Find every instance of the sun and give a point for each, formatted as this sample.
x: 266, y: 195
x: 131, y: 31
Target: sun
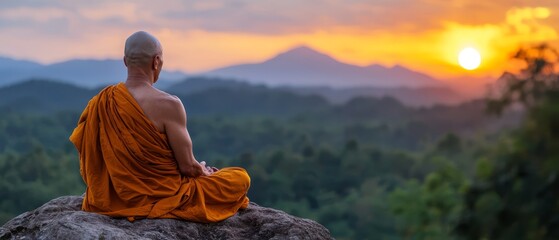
x: 469, y: 58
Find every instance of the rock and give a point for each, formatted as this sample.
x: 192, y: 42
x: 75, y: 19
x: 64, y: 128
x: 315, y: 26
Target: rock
x: 62, y: 218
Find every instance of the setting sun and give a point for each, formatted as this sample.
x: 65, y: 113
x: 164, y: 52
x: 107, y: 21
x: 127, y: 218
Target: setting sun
x: 469, y: 58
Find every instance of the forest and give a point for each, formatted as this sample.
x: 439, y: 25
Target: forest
x: 371, y: 168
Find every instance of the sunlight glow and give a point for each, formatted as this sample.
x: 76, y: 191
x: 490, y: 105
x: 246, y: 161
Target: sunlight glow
x: 469, y: 58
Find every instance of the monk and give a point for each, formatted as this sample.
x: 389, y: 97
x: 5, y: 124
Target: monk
x: 136, y: 156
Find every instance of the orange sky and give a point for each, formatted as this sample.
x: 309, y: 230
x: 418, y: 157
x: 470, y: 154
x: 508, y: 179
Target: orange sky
x: 424, y: 35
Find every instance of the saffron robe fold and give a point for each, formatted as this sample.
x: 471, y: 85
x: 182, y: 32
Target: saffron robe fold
x: 130, y: 171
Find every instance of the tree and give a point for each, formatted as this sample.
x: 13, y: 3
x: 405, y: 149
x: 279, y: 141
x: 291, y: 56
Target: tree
x: 429, y: 210
x: 532, y: 84
x: 516, y: 195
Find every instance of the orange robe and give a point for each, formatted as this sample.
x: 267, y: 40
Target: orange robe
x: 130, y: 171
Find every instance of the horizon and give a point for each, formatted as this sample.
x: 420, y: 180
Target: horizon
x: 201, y: 36
x: 395, y: 65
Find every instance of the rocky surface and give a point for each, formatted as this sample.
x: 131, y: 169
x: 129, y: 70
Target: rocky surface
x: 62, y: 218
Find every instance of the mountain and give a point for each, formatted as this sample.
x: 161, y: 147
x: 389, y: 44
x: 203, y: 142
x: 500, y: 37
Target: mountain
x: 199, y: 84
x: 43, y: 97
x: 82, y: 72
x: 13, y: 64
x: 474, y: 87
x: 88, y: 73
x: 12, y: 69
x: 251, y: 101
x: 420, y: 96
x: 301, y: 70
x: 46, y: 96
x: 304, y: 66
x: 214, y: 96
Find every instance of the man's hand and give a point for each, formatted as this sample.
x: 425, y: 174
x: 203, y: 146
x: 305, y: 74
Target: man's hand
x: 207, y: 169
x: 197, y: 169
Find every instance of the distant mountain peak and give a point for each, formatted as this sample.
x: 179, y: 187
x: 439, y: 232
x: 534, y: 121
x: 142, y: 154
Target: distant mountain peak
x: 17, y: 64
x: 305, y: 66
x: 303, y: 52
x: 376, y: 66
x: 399, y: 67
x: 302, y: 48
x: 396, y: 67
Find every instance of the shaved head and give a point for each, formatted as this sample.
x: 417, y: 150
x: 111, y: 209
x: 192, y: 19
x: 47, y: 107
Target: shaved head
x: 140, y: 48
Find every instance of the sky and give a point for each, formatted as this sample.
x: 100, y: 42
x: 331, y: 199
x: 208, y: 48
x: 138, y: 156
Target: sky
x: 423, y: 35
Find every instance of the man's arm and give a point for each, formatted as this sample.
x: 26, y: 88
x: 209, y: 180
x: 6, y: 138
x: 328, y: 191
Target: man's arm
x: 179, y: 139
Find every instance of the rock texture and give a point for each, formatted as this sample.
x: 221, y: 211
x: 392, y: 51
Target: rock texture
x: 61, y: 218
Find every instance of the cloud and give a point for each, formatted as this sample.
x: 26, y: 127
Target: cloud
x: 524, y: 21
x: 421, y: 34
x: 268, y: 16
x: 33, y: 14
x: 128, y: 12
x: 255, y: 17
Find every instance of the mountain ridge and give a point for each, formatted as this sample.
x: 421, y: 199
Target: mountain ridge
x: 304, y: 66
x: 89, y: 73
x: 299, y: 67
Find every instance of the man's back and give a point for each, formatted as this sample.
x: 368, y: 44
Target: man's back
x: 155, y: 103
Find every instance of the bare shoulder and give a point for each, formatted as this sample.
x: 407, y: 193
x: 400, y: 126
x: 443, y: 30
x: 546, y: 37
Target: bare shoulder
x: 168, y: 102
